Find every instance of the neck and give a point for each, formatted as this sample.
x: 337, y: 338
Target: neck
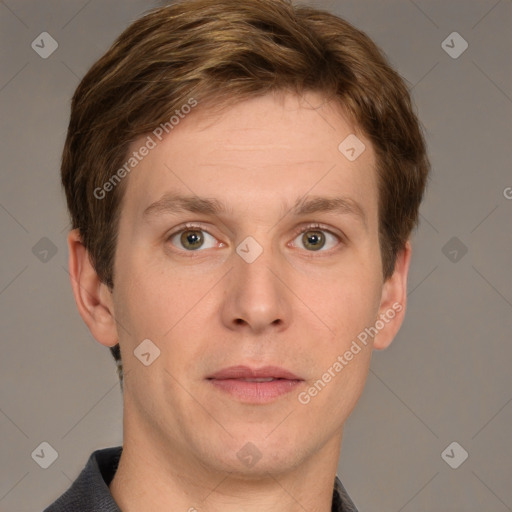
x: 153, y: 476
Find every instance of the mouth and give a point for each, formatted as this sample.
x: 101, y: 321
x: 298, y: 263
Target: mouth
x: 255, y: 385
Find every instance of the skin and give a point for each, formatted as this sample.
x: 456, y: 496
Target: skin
x: 208, y: 309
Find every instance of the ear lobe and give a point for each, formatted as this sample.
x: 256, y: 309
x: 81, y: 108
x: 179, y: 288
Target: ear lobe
x: 393, y: 300
x: 92, y: 297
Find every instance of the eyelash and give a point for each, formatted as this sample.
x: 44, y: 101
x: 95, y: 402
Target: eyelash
x: 299, y: 231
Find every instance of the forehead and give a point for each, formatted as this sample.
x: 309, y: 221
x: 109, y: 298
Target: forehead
x: 266, y: 150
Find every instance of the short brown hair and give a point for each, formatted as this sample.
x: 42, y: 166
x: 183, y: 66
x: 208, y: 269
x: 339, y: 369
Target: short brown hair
x: 222, y: 51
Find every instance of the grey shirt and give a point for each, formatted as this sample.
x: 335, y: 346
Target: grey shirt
x: 90, y: 491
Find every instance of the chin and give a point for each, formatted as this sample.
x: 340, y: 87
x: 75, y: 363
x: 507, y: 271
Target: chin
x: 254, y: 457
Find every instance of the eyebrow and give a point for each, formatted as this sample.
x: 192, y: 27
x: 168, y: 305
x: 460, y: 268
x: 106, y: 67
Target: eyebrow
x: 171, y: 203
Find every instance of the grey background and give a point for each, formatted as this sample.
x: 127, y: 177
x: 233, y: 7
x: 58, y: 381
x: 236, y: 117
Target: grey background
x: 445, y: 378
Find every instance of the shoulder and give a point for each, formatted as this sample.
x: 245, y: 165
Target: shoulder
x: 90, y: 491
x: 341, y: 501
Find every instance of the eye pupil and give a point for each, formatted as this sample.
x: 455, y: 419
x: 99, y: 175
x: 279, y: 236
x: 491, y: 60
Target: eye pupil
x: 192, y: 239
x: 314, y: 239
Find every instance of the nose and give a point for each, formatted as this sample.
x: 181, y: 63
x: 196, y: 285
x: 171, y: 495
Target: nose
x: 256, y: 297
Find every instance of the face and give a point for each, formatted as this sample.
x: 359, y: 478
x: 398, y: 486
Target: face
x: 248, y: 253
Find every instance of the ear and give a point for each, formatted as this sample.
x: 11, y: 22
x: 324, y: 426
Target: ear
x: 393, y: 300
x: 93, y: 298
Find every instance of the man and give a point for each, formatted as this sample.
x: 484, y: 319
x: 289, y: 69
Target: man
x: 243, y: 179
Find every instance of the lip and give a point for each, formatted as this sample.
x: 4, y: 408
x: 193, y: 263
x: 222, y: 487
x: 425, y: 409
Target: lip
x: 233, y: 380
x: 246, y: 372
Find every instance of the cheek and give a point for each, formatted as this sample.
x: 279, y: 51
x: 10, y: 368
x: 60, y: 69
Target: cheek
x: 146, y: 304
x: 163, y: 305
x: 339, y: 362
x: 347, y: 301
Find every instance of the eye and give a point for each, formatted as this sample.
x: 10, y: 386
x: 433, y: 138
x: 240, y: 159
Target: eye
x: 193, y: 238
x: 316, y: 238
